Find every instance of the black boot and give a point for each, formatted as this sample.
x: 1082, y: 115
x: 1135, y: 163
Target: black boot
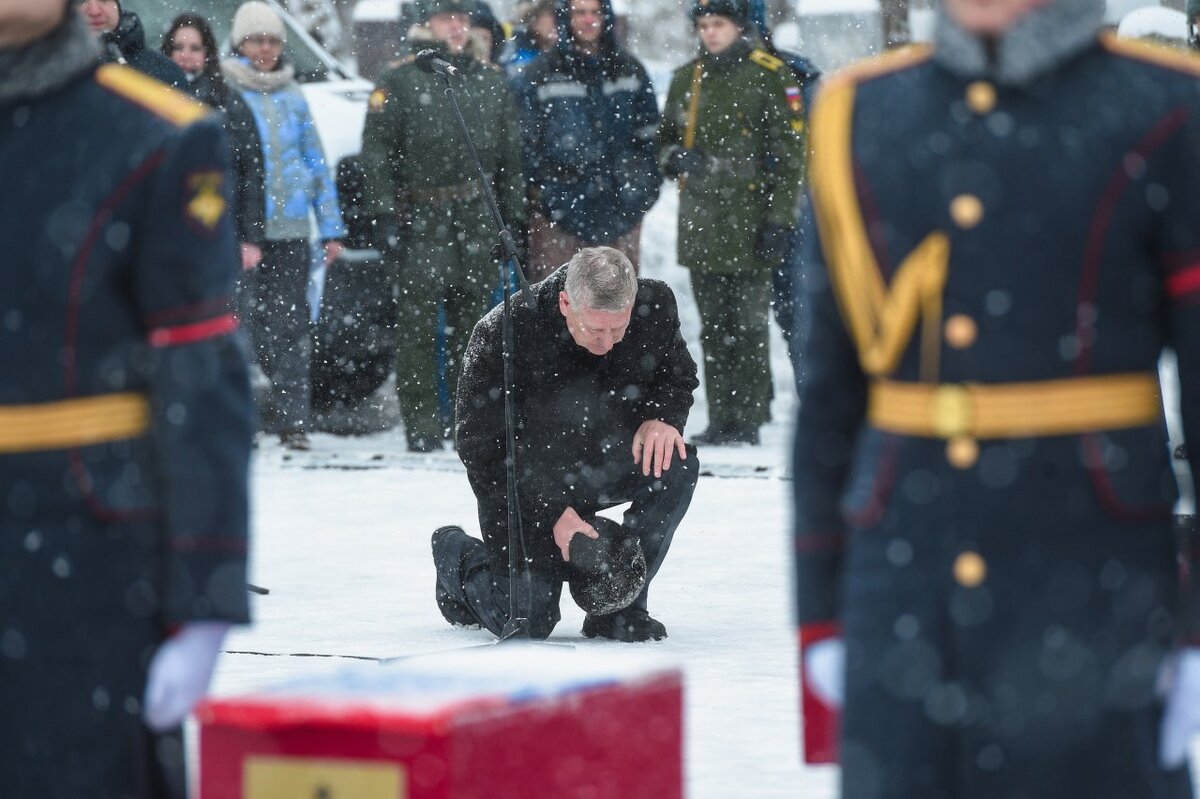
x: 452, y: 549
x: 630, y: 625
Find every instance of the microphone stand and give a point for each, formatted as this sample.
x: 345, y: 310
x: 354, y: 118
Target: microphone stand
x: 517, y: 627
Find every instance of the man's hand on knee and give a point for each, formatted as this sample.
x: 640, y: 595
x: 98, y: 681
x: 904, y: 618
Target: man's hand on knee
x: 655, y: 444
x: 565, y: 529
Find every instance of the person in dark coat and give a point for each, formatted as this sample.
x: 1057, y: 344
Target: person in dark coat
x: 123, y: 41
x: 125, y: 415
x: 190, y: 43
x: 603, y: 385
x: 988, y: 575
x: 589, y: 121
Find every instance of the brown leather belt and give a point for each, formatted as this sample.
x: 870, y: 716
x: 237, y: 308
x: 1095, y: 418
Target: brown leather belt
x: 1011, y: 410
x: 73, y: 422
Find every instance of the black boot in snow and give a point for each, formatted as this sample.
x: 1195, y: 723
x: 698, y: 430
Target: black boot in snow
x: 451, y: 545
x: 630, y: 625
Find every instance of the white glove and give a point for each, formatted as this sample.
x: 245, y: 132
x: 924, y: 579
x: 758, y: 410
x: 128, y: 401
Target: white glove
x: 180, y: 672
x: 1182, y: 718
x: 825, y: 670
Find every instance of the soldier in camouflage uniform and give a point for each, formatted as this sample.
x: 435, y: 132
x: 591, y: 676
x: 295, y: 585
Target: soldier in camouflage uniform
x: 732, y: 134
x: 432, y: 221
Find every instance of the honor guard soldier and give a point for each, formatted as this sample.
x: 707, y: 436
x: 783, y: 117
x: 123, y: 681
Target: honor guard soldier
x: 432, y: 222
x: 1009, y: 237
x: 125, y: 414
x: 733, y: 136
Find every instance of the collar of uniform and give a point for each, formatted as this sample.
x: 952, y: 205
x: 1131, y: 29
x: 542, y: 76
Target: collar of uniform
x: 1036, y: 45
x: 729, y: 57
x: 50, y: 62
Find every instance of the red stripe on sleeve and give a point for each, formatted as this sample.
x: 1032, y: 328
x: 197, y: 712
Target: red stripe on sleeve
x: 1184, y: 281
x: 196, y: 331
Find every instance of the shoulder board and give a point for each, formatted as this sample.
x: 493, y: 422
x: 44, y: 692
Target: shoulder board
x: 766, y: 60
x: 1151, y: 53
x: 158, y: 98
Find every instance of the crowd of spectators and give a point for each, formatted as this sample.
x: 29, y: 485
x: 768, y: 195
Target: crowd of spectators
x: 591, y: 156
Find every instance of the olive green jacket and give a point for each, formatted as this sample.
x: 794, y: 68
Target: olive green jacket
x: 749, y: 124
x: 413, y: 145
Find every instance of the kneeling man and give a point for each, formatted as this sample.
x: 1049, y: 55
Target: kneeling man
x: 603, y: 386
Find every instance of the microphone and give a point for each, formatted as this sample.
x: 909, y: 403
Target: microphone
x: 428, y: 61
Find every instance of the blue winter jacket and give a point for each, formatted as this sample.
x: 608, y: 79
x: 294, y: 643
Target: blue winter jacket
x: 590, y: 125
x: 297, y: 177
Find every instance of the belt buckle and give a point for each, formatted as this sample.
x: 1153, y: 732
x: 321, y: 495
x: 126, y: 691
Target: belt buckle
x: 951, y: 412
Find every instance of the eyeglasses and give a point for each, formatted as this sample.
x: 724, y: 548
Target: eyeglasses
x: 262, y: 41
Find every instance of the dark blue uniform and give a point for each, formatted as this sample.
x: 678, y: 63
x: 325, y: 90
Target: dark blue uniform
x: 983, y: 490
x: 590, y: 124
x: 125, y: 418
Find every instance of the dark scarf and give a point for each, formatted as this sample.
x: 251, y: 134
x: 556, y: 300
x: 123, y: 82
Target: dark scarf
x: 49, y: 63
x: 1037, y: 44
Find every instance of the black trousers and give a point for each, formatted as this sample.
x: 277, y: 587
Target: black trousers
x: 658, y: 506
x: 275, y: 304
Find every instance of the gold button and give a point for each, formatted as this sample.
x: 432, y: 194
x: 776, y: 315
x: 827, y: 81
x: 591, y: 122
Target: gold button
x: 962, y: 452
x: 970, y: 569
x: 961, y: 331
x: 966, y: 210
x: 981, y: 97
x: 951, y: 411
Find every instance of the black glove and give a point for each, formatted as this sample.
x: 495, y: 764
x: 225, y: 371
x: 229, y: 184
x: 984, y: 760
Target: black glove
x: 773, y: 243
x: 684, y: 161
x: 389, y: 238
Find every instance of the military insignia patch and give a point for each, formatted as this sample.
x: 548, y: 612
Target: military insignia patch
x: 795, y: 99
x: 376, y: 100
x: 205, y: 205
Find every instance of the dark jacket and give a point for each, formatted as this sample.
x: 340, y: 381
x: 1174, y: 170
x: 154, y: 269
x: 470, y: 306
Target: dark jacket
x: 589, y: 135
x: 126, y: 44
x: 245, y: 150
x: 1020, y: 569
x: 573, y: 409
x: 119, y: 224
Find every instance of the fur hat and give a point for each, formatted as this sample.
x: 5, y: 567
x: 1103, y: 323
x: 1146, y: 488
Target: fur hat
x: 254, y: 18
x: 736, y: 10
x: 606, y: 574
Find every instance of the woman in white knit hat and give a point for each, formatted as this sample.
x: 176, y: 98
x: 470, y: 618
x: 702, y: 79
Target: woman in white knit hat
x: 297, y: 180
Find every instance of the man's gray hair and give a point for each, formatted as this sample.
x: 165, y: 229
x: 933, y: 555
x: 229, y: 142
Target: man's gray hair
x: 602, y: 279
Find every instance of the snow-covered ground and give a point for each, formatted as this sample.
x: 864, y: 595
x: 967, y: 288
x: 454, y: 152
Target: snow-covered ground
x: 341, y: 539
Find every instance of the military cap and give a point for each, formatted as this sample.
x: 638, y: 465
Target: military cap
x: 736, y: 10
x: 428, y: 8
x: 607, y: 573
